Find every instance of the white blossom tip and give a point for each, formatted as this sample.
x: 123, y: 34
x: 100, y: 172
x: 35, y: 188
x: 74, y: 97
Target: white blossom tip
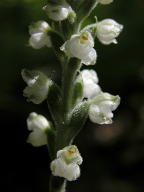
x: 108, y: 30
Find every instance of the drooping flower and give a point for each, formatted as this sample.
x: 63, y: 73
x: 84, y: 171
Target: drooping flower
x: 105, y: 2
x: 67, y: 163
x: 81, y: 47
x: 39, y: 37
x: 101, y: 110
x: 59, y: 12
x: 90, y: 83
x: 39, y: 126
x: 38, y: 86
x: 108, y: 30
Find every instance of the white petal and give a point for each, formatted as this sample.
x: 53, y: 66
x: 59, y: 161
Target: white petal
x: 91, y: 89
x: 81, y: 47
x: 38, y: 40
x: 39, y: 125
x: 39, y: 27
x: 101, y: 111
x: 37, y: 92
x: 70, y: 154
x: 37, y: 121
x: 37, y: 138
x: 89, y: 75
x: 69, y: 171
x: 39, y: 37
x: 96, y: 116
x: 108, y: 30
x: 90, y: 57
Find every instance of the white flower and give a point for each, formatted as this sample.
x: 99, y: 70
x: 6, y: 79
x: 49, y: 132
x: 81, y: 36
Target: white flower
x: 101, y: 111
x: 38, y: 86
x: 39, y: 37
x: 108, y: 30
x: 67, y: 163
x: 81, y: 47
x: 105, y: 2
x: 58, y: 12
x: 38, y: 125
x: 90, y: 83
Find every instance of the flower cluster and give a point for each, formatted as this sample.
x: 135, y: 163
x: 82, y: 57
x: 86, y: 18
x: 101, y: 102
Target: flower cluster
x: 101, y: 104
x: 79, y: 95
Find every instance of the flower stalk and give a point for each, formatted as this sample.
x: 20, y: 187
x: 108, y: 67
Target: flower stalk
x: 78, y: 95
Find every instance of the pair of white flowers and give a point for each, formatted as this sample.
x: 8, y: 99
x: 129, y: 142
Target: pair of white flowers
x: 100, y: 110
x: 68, y: 159
x: 79, y: 45
x: 63, y: 10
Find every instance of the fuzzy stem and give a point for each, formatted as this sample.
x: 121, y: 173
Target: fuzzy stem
x: 69, y: 74
x: 57, y: 184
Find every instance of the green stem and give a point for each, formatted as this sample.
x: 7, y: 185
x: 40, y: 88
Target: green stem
x: 69, y: 74
x: 57, y: 184
x: 85, y: 10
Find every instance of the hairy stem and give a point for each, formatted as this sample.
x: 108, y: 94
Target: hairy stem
x: 69, y: 74
x: 57, y: 184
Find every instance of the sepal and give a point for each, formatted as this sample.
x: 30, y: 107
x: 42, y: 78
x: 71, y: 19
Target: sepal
x: 38, y: 85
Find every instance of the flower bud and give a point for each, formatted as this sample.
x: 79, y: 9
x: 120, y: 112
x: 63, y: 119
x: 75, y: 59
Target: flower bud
x: 105, y: 2
x: 58, y: 12
x: 101, y: 110
x: 39, y: 37
x: 108, y: 30
x: 67, y: 163
x: 81, y: 47
x: 38, y: 125
x: 90, y: 80
x: 38, y: 86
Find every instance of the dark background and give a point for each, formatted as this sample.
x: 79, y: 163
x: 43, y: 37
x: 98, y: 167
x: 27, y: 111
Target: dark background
x: 113, y: 154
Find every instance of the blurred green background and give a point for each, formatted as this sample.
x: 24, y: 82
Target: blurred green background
x: 113, y: 154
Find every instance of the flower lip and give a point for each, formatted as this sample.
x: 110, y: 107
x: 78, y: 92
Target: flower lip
x: 67, y: 163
